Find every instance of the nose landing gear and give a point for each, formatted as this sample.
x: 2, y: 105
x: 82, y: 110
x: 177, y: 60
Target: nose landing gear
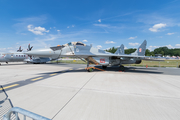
x: 121, y: 67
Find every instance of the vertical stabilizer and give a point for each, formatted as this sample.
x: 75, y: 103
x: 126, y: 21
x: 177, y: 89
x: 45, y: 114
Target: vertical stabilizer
x: 141, y: 50
x: 120, y: 50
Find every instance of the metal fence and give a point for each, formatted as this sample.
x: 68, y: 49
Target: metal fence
x: 5, y: 104
x: 8, y: 112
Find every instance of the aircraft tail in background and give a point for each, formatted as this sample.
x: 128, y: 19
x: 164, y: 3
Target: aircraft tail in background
x: 120, y: 50
x: 141, y: 50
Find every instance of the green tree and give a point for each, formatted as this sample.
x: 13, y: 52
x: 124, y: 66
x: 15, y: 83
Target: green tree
x: 129, y: 51
x: 112, y: 50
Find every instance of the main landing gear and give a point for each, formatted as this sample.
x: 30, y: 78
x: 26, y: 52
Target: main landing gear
x: 104, y: 67
x: 6, y: 62
x: 121, y: 67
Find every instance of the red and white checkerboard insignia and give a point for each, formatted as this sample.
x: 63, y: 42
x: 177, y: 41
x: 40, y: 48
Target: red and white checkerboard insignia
x: 102, y: 60
x: 140, y: 49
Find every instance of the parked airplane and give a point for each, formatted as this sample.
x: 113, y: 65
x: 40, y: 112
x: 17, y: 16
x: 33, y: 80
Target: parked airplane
x: 19, y: 56
x: 93, y: 55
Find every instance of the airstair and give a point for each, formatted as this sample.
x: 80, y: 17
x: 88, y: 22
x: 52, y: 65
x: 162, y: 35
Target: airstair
x: 8, y: 112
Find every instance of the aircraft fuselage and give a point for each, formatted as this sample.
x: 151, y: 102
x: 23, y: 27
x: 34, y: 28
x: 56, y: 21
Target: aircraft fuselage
x: 12, y: 57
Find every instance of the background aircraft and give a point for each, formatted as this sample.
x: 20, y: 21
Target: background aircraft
x: 19, y: 56
x: 93, y: 55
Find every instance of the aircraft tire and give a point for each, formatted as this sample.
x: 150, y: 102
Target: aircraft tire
x: 104, y: 67
x: 122, y: 67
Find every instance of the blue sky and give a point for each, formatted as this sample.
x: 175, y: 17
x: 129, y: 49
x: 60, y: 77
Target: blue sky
x: 102, y: 23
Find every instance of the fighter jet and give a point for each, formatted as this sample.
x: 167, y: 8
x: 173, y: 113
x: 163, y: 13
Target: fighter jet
x: 93, y: 55
x: 19, y: 56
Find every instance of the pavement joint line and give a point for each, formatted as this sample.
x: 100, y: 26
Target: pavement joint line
x: 135, y: 94
x: 37, y: 78
x: 9, y: 86
x: 72, y: 97
x: 169, y: 83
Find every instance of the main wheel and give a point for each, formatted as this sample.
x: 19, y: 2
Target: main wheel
x: 90, y: 70
x: 104, y: 67
x: 122, y: 67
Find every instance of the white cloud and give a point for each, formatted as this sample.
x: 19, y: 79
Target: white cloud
x: 133, y: 44
x: 23, y: 34
x: 101, y: 25
x: 157, y: 26
x: 107, y: 48
x: 105, y: 25
x: 169, y: 33
x: 85, y: 41
x: 125, y: 47
x: 169, y: 46
x: 160, y: 37
x: 37, y: 30
x: 133, y: 37
x: 99, y: 46
x: 9, y: 48
x: 109, y: 42
x: 151, y: 48
x: 72, y: 25
x: 67, y: 26
x: 99, y: 20
x: 58, y: 30
x: 177, y: 45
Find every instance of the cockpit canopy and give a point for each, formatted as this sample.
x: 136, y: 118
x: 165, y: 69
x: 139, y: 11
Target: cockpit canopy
x: 59, y: 47
x: 75, y: 43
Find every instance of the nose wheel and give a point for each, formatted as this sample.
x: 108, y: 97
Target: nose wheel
x: 121, y: 67
x: 89, y: 69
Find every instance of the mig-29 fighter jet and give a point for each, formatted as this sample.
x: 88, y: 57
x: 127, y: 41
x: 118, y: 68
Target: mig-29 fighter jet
x: 93, y: 55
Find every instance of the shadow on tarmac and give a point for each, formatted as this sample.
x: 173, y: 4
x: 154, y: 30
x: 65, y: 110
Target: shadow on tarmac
x: 113, y: 69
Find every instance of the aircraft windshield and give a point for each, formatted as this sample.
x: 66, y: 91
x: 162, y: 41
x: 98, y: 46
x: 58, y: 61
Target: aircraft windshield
x: 75, y: 43
x: 70, y: 44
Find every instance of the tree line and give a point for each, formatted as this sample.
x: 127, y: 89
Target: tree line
x: 161, y: 50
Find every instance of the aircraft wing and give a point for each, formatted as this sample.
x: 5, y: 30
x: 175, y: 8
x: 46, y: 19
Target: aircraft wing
x: 147, y: 58
x: 105, y: 55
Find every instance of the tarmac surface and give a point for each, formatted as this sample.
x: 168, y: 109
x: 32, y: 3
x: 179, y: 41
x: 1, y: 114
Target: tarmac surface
x: 69, y: 92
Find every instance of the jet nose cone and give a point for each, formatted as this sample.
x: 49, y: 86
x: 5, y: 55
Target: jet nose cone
x: 40, y: 53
